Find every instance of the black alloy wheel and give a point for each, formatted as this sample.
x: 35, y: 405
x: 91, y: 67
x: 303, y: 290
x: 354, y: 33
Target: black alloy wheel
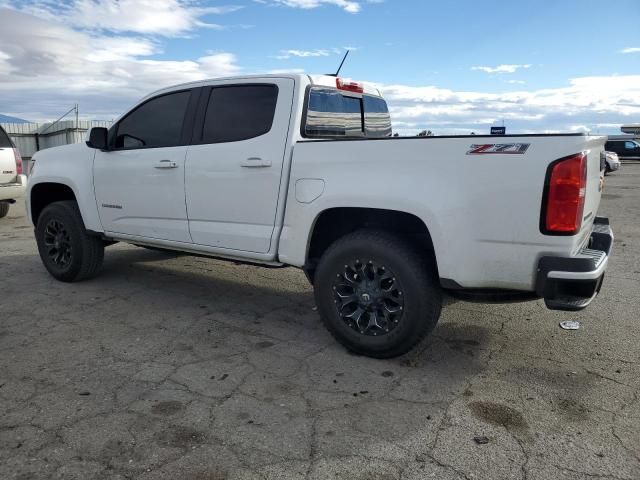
x: 368, y: 297
x: 58, y: 243
x: 67, y: 250
x: 377, y: 292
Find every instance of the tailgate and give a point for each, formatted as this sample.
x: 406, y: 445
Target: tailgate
x: 7, y: 165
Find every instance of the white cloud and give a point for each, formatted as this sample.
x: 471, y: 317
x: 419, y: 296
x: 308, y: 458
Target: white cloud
x: 501, y: 68
x: 287, y: 54
x: 45, y: 66
x: 630, y: 50
x: 347, y: 5
x: 165, y: 18
x: 277, y: 71
x: 516, y: 82
x: 118, y: 48
x: 587, y: 101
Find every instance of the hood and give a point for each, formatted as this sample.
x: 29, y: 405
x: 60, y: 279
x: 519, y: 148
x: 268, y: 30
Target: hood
x: 72, y: 150
x: 63, y: 163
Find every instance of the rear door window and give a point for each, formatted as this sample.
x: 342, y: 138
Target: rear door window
x: 239, y: 112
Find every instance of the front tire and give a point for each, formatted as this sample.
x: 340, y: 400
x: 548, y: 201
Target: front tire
x: 67, y: 251
x: 4, y: 209
x: 377, y: 294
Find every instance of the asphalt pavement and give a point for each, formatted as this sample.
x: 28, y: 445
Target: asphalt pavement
x: 176, y: 367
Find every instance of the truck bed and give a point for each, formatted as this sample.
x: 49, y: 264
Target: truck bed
x: 482, y: 209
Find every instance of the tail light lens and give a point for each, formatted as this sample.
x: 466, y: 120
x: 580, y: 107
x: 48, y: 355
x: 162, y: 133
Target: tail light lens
x: 564, y: 196
x: 18, y: 157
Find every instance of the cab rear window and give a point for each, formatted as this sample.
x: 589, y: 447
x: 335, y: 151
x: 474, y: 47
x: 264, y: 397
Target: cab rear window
x: 377, y: 121
x: 330, y: 113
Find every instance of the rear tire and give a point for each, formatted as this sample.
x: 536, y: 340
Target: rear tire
x: 4, y: 209
x: 377, y: 294
x: 67, y: 251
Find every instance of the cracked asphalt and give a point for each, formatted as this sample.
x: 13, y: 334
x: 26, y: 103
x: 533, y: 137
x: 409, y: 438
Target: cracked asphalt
x: 175, y: 367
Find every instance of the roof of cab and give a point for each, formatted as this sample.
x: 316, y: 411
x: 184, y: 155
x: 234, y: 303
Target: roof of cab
x: 322, y: 80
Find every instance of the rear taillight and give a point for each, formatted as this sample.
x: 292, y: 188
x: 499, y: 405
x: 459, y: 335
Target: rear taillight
x: 563, y: 200
x: 18, y: 157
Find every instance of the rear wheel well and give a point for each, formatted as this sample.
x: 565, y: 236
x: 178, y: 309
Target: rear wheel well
x: 44, y: 194
x: 335, y: 223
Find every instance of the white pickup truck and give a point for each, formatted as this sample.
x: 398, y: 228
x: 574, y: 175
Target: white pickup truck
x: 286, y: 170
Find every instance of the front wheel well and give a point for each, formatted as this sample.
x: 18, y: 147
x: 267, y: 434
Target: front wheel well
x: 44, y: 194
x: 335, y: 223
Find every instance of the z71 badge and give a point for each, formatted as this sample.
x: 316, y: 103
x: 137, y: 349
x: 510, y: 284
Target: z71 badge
x: 497, y: 148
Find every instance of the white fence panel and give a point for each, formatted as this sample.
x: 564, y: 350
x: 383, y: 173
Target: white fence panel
x: 31, y: 137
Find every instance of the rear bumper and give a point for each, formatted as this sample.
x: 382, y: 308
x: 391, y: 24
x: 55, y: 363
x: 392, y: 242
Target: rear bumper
x: 13, y: 191
x: 571, y: 283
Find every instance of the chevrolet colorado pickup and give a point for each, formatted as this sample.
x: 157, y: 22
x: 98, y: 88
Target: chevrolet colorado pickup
x: 12, y: 182
x: 289, y: 170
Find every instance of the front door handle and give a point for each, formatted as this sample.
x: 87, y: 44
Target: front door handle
x: 166, y: 164
x: 255, y: 162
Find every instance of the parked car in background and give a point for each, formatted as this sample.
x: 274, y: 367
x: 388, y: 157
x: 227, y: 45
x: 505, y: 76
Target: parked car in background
x: 611, y: 162
x: 627, y: 149
x: 286, y: 170
x: 12, y: 182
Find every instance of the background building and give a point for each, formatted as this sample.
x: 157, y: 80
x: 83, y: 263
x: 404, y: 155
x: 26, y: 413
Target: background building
x: 32, y: 137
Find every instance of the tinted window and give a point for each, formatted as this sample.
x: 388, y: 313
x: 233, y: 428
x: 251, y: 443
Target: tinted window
x: 156, y: 123
x: 377, y: 120
x: 614, y: 146
x: 239, y: 113
x: 630, y: 145
x: 5, y: 141
x: 329, y: 113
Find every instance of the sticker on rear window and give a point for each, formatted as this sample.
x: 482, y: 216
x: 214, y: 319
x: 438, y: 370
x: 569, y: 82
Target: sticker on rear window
x: 497, y: 148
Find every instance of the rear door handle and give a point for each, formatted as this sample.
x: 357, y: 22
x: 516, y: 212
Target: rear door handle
x: 166, y: 164
x: 255, y: 162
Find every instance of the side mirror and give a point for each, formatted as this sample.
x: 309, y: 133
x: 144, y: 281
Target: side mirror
x: 98, y: 138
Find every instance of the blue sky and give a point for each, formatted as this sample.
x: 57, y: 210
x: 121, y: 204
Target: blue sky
x: 417, y: 41
x: 450, y: 66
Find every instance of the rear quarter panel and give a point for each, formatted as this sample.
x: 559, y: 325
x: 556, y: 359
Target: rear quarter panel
x: 483, y: 211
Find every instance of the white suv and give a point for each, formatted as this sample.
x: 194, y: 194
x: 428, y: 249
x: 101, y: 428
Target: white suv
x: 12, y: 182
